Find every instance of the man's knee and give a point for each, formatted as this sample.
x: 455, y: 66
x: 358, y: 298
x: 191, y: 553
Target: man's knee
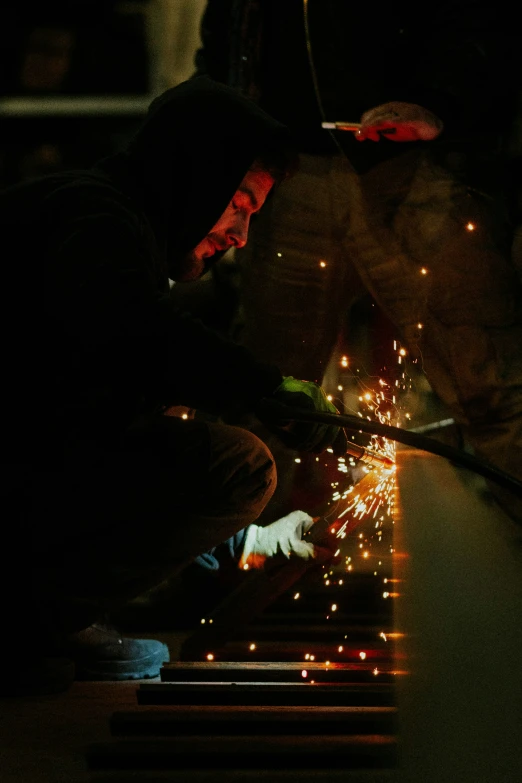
x: 243, y: 468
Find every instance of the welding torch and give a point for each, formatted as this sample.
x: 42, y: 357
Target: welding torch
x: 368, y: 456
x: 282, y: 414
x: 344, y: 126
x: 397, y: 120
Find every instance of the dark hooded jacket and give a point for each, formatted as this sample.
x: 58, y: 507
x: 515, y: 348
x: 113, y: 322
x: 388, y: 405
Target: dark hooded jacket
x: 91, y: 337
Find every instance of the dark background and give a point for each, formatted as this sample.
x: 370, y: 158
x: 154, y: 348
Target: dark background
x: 52, y: 51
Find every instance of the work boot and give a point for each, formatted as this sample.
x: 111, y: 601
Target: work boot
x: 100, y: 653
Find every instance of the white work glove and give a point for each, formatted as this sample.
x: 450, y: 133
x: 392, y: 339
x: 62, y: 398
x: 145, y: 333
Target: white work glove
x: 283, y: 537
x: 399, y: 121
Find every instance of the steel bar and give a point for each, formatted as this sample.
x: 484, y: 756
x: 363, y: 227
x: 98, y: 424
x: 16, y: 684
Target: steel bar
x: 287, y: 651
x: 254, y: 721
x: 286, y: 752
x: 247, y: 671
x: 460, y: 559
x: 325, y: 775
x: 268, y: 694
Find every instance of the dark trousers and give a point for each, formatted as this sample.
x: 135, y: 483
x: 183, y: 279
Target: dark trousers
x: 115, y: 522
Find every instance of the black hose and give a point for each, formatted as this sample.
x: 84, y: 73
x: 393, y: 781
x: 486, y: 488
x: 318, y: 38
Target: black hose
x: 279, y: 412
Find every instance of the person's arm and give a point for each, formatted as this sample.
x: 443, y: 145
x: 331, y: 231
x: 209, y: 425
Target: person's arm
x: 253, y: 546
x: 104, y: 289
x: 107, y: 290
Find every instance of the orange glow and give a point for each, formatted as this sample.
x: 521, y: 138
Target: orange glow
x: 252, y: 561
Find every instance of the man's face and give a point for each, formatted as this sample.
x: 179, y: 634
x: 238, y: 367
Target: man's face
x: 231, y: 230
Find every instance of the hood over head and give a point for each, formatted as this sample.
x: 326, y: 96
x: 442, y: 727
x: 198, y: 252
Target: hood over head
x: 194, y: 147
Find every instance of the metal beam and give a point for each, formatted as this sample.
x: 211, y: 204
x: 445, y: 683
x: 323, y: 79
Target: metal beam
x: 460, y: 607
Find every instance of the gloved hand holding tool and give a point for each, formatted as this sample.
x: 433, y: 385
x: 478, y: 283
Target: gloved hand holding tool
x: 396, y: 120
x: 263, y: 585
x: 302, y: 436
x: 283, y: 537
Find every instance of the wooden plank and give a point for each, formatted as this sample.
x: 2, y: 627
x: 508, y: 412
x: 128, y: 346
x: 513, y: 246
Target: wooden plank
x: 373, y: 693
x: 267, y: 753
x: 254, y: 721
x: 263, y: 672
x: 244, y: 776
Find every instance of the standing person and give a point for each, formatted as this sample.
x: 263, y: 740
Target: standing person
x: 105, y: 495
x: 422, y: 214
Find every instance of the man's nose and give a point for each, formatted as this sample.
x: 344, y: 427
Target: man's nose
x: 239, y: 231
